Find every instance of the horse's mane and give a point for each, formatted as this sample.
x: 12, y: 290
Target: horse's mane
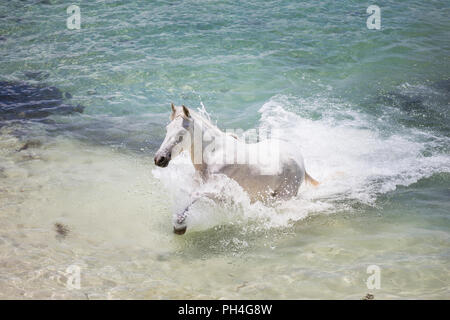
x: 197, y: 116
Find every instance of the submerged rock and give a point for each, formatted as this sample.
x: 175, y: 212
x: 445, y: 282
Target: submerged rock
x: 36, y: 75
x: 407, y: 101
x: 421, y: 105
x: 30, y: 144
x: 61, y: 230
x: 368, y: 296
x: 20, y: 100
x: 442, y: 85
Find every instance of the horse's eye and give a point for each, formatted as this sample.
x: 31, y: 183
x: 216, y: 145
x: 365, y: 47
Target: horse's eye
x: 180, y: 138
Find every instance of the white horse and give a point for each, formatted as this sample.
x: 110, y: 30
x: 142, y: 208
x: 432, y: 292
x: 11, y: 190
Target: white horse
x: 274, y: 173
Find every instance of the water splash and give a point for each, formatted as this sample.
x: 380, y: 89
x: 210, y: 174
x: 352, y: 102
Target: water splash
x: 344, y: 149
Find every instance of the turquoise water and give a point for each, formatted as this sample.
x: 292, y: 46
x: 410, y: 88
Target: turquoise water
x: 369, y: 109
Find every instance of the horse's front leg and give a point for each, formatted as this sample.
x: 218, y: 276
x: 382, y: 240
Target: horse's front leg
x: 180, y: 226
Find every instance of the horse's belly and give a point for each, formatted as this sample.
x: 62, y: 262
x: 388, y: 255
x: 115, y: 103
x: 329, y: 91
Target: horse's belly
x: 264, y: 187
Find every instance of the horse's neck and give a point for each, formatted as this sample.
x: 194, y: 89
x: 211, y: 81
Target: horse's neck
x: 200, y: 168
x: 216, y: 134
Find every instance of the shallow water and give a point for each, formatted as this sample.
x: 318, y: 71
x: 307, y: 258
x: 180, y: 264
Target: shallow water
x: 367, y: 109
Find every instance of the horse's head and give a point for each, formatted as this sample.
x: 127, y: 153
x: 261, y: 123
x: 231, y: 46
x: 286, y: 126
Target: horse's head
x: 177, y: 138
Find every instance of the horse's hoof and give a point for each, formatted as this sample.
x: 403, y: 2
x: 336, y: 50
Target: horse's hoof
x: 179, y: 231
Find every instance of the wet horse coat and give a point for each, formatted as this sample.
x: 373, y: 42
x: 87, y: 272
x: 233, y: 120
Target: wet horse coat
x: 277, y: 174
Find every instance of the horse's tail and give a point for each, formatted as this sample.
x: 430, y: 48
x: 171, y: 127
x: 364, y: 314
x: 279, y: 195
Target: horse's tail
x: 310, y: 180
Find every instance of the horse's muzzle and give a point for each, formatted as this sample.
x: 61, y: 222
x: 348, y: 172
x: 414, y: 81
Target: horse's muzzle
x: 162, y: 161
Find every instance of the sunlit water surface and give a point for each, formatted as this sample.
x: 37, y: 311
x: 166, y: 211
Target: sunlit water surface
x: 367, y: 109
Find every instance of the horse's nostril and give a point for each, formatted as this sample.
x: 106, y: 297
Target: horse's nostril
x: 161, y: 161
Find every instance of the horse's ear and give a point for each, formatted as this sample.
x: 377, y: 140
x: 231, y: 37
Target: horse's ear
x: 186, y: 111
x: 173, y: 112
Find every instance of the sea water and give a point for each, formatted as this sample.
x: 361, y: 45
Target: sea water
x: 367, y: 109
